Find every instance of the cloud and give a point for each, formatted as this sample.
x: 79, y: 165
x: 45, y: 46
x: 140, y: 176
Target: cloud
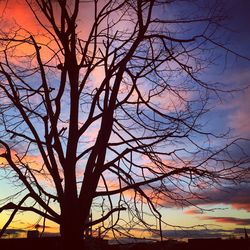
x: 34, y: 163
x: 193, y: 211
x: 236, y: 105
x: 237, y: 198
x: 14, y: 12
x: 15, y: 24
x: 231, y: 220
x: 14, y: 231
x: 3, y: 161
x: 240, y: 119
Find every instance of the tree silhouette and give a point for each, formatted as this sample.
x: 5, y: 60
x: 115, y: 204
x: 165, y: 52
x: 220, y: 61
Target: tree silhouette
x: 102, y: 108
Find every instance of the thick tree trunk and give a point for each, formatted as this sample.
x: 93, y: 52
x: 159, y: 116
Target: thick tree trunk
x: 72, y: 224
x: 71, y: 231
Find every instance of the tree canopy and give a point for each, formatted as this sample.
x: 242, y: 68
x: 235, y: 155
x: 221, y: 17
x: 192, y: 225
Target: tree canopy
x: 101, y: 110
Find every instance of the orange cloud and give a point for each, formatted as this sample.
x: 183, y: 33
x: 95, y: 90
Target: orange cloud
x: 243, y: 206
x: 16, y: 14
x: 33, y: 162
x: 17, y: 11
x: 3, y: 162
x: 193, y: 211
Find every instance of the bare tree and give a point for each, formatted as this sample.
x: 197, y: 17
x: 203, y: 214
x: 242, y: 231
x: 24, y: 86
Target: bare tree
x: 104, y: 106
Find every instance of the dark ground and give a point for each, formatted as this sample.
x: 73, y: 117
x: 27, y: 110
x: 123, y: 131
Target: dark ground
x: 53, y: 243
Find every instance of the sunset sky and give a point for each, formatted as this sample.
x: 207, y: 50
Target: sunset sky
x: 227, y: 210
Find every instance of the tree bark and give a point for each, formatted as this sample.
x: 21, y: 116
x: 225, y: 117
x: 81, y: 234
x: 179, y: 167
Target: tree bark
x: 71, y: 231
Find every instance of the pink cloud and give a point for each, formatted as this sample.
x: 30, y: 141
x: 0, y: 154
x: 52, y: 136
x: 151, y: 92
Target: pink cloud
x: 239, y: 118
x: 230, y: 220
